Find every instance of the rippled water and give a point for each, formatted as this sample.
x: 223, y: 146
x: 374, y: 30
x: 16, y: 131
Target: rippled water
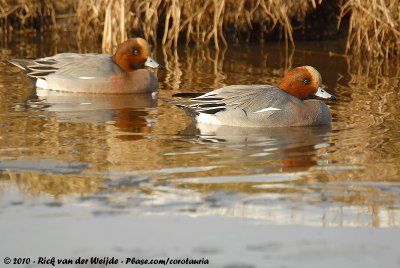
x: 142, y: 156
x: 145, y: 155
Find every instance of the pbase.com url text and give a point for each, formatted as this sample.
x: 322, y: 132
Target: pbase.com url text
x: 53, y: 261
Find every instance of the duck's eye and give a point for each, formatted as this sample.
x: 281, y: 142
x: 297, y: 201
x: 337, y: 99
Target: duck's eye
x: 306, y: 81
x: 136, y: 52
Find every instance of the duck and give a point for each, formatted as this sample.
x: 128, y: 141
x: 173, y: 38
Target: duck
x: 287, y: 105
x: 121, y: 73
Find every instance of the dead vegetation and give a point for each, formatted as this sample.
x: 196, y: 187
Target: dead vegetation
x: 28, y: 13
x: 201, y: 22
x: 374, y: 25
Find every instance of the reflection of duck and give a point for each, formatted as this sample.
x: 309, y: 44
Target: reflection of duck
x: 97, y: 108
x: 123, y: 72
x: 265, y: 105
x: 296, y: 147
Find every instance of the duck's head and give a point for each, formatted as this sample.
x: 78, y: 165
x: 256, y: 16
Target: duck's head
x: 304, y: 82
x: 134, y: 54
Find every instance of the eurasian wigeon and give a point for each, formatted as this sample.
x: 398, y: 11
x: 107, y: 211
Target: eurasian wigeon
x: 265, y: 105
x: 123, y: 72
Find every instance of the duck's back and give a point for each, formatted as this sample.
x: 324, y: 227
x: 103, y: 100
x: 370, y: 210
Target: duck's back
x: 259, y: 105
x: 84, y: 65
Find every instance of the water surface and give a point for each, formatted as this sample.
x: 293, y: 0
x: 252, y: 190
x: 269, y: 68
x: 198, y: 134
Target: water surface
x: 136, y: 155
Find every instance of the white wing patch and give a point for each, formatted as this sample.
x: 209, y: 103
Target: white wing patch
x: 267, y: 110
x: 86, y: 77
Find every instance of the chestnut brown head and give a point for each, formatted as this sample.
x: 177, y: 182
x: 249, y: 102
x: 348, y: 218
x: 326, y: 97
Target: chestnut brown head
x: 304, y: 82
x: 134, y: 54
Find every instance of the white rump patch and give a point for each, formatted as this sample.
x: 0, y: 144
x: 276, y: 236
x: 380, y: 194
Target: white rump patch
x: 86, y: 77
x: 208, y: 119
x: 41, y: 83
x: 267, y: 109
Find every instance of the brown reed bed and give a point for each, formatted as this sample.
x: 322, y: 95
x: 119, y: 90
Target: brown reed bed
x: 374, y: 25
x: 200, y: 22
x: 27, y: 13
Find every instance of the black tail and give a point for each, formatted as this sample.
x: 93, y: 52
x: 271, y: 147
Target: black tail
x: 187, y: 95
x: 180, y: 105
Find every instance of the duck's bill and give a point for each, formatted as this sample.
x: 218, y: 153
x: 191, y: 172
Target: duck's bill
x: 152, y: 63
x: 322, y: 93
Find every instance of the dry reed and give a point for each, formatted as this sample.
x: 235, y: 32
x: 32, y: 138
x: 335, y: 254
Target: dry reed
x: 374, y: 25
x: 200, y: 22
x: 25, y: 11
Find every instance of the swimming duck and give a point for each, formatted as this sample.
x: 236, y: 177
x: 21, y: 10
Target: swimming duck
x: 285, y: 105
x: 123, y: 72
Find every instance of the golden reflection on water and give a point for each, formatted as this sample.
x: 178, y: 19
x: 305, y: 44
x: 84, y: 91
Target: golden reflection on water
x: 54, y: 184
x: 344, y: 168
